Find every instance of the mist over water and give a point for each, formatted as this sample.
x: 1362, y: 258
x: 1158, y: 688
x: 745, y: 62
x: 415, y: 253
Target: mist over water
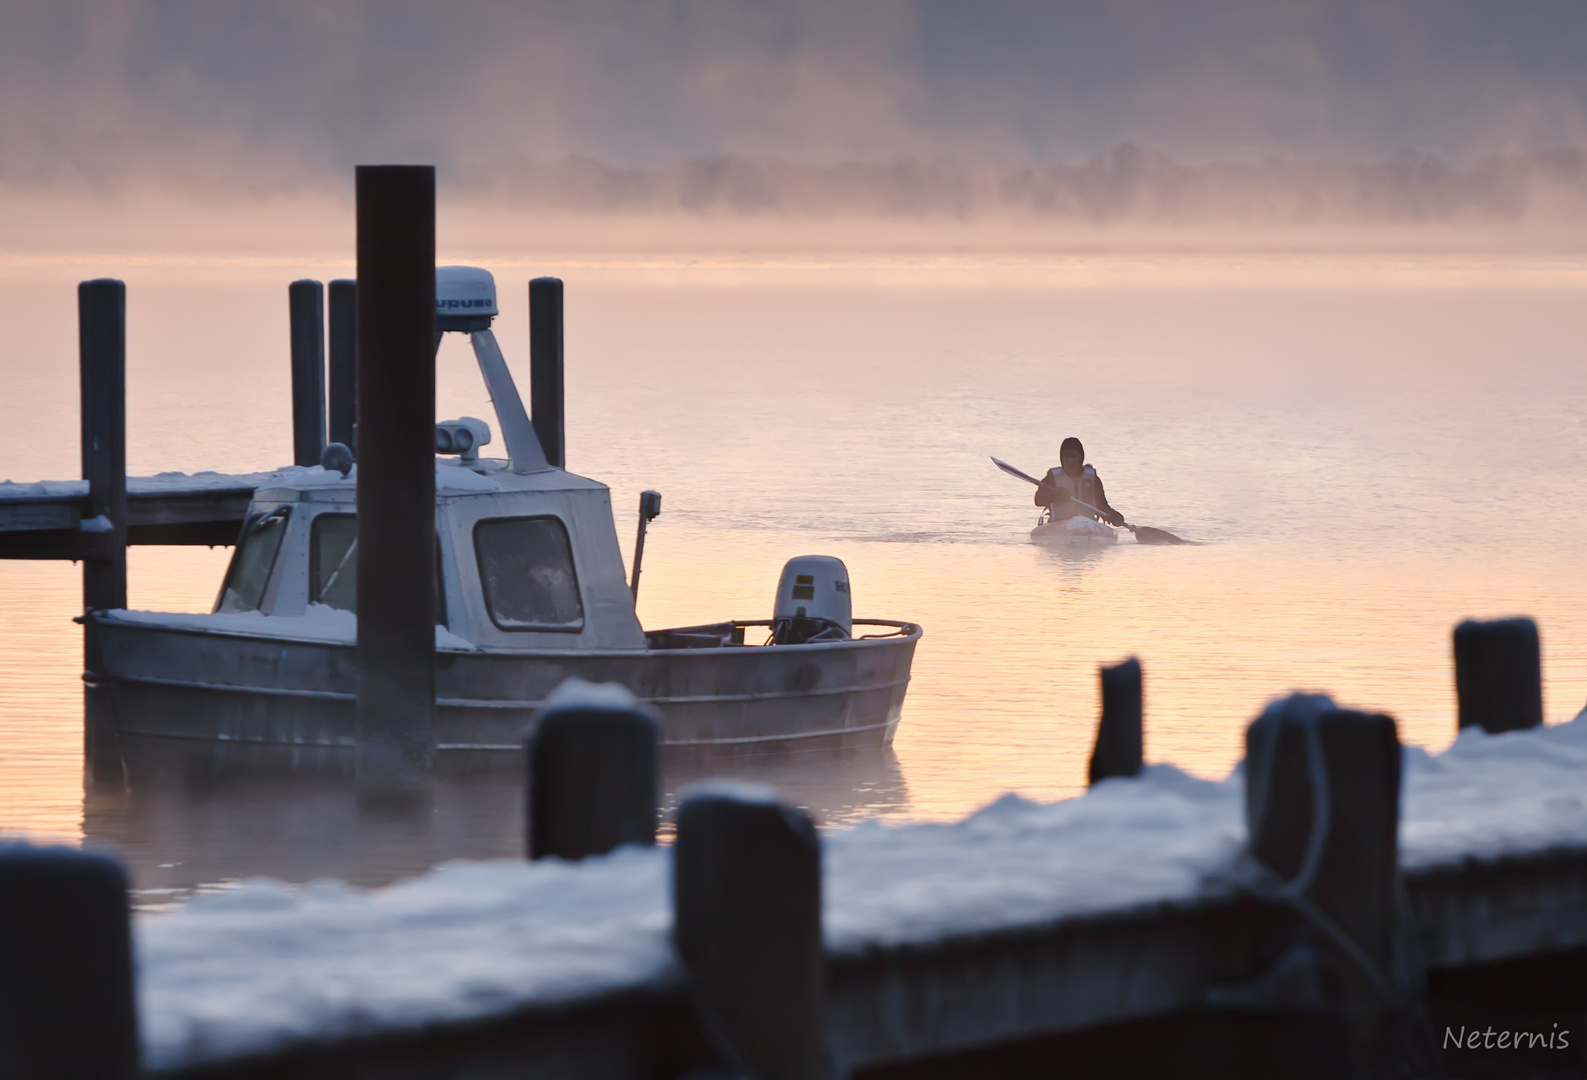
x: 1372, y: 448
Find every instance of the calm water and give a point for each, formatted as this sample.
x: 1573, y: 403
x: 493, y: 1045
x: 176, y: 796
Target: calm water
x: 1372, y: 449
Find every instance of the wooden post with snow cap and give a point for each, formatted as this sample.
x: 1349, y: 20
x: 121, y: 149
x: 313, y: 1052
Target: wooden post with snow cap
x: 306, y: 305
x: 396, y: 480
x: 342, y: 389
x: 746, y: 889
x: 1118, y: 750
x: 1499, y: 675
x: 590, y: 759
x: 66, y: 988
x: 545, y: 367
x: 1322, y: 798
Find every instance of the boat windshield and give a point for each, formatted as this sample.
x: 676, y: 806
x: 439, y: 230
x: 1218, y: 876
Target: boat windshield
x: 526, y: 568
x: 251, y: 564
x: 333, y: 565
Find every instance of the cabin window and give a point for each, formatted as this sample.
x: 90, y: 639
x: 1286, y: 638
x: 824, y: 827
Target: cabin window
x: 333, y: 561
x: 252, y: 563
x: 333, y: 565
x: 526, y: 568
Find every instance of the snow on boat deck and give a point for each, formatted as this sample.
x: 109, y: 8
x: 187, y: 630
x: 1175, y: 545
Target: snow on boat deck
x: 266, y: 965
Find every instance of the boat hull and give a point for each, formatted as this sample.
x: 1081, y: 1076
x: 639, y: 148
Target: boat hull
x: 1075, y: 532
x: 298, y: 697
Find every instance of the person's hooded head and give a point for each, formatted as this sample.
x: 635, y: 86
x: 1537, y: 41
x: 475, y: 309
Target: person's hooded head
x: 1072, y: 456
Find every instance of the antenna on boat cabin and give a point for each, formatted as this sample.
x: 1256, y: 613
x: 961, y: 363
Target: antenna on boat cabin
x: 465, y: 302
x: 649, y: 510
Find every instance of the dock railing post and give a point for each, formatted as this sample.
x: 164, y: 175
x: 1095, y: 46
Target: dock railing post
x: 306, y: 305
x: 396, y: 480
x: 545, y: 367
x: 747, y: 926
x: 66, y: 988
x: 102, y: 392
x: 1118, y: 750
x: 1322, y: 806
x: 102, y: 351
x: 342, y: 397
x: 590, y: 763
x: 1499, y: 675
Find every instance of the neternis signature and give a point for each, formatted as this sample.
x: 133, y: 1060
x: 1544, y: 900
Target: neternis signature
x: 1489, y: 1039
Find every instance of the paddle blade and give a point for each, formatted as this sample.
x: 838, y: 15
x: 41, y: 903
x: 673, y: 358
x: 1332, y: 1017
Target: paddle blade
x: 1145, y: 534
x: 1006, y: 467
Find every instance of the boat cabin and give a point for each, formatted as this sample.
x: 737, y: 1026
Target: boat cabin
x: 524, y: 561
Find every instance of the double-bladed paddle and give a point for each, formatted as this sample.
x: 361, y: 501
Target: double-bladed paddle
x: 1144, y: 534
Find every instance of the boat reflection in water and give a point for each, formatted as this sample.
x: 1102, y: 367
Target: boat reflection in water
x: 194, y: 816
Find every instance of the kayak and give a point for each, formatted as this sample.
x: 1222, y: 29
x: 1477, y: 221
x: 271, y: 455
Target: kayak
x: 1078, y: 531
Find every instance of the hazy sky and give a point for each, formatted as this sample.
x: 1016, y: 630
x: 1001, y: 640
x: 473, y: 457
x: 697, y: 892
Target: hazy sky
x: 647, y: 104
x: 133, y: 84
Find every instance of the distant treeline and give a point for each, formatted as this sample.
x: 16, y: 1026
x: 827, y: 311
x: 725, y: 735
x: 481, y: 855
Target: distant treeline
x: 1126, y: 184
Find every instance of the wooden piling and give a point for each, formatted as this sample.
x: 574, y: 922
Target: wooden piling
x: 396, y: 478
x: 1499, y: 675
x: 306, y: 305
x: 102, y: 353
x: 1322, y: 806
x: 545, y: 367
x: 590, y: 763
x: 747, y: 927
x: 66, y: 990
x: 1118, y: 750
x: 341, y: 412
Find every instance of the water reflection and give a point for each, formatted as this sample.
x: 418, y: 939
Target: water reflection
x: 189, y: 817
x: 1070, y: 563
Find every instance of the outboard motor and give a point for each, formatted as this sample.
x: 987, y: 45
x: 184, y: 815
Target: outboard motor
x: 813, y: 601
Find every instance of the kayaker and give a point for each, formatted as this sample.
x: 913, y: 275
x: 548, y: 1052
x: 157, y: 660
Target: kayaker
x: 1074, y: 481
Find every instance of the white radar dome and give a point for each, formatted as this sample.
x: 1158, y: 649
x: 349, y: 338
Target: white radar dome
x: 464, y: 290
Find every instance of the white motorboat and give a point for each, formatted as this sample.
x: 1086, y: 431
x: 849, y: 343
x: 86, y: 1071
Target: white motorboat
x: 531, y: 591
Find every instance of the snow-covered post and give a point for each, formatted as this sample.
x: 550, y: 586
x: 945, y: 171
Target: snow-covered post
x: 1118, y: 750
x: 66, y: 992
x: 1499, y: 674
x: 545, y: 367
x: 1322, y: 799
x: 342, y: 391
x: 746, y: 893
x: 306, y: 308
x: 590, y: 756
x: 396, y: 479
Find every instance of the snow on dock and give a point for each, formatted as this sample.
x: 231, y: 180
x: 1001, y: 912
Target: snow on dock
x: 166, y: 483
x: 266, y: 965
x: 44, y: 519
x: 41, y: 519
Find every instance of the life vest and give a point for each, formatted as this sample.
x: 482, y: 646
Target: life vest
x: 1082, y: 487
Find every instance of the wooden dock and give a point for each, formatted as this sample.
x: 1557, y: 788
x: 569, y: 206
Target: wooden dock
x: 46, y: 520
x: 1117, y: 995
